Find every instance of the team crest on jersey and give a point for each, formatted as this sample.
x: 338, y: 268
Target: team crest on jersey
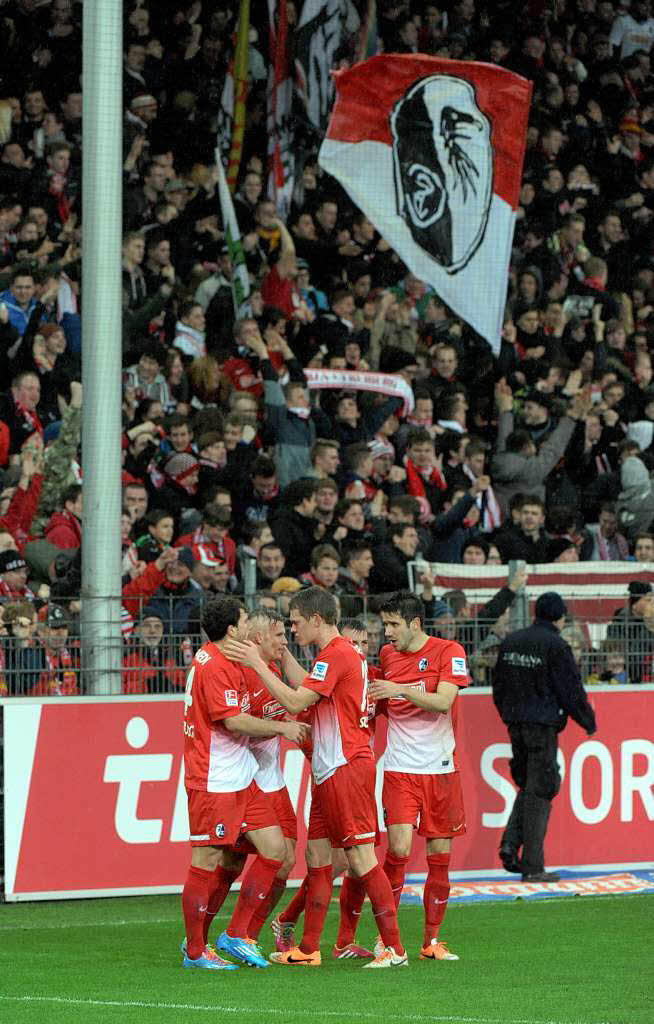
x: 459, y: 667
x: 220, y: 831
x: 422, y: 664
x: 319, y: 670
x: 231, y: 698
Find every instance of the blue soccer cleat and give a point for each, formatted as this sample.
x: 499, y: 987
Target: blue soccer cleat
x: 241, y: 950
x: 209, y: 960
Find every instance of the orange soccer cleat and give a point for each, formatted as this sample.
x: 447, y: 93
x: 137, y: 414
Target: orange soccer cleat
x: 437, y: 951
x: 296, y: 958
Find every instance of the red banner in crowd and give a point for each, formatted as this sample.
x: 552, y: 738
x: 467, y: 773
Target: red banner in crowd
x: 95, y: 801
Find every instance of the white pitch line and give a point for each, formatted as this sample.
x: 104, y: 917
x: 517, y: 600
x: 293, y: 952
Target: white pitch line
x: 373, y: 1015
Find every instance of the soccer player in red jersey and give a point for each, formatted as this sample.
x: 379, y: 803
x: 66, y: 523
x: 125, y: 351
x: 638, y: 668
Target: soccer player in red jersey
x: 223, y: 799
x: 266, y: 630
x: 343, y: 769
x: 422, y: 678
x: 353, y: 891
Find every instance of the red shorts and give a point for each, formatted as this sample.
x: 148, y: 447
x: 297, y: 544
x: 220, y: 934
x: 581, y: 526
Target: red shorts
x: 217, y: 819
x: 286, y: 816
x: 279, y: 803
x: 343, y: 807
x: 435, y: 800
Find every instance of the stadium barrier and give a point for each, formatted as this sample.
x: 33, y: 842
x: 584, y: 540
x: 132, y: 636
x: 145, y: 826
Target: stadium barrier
x: 94, y: 800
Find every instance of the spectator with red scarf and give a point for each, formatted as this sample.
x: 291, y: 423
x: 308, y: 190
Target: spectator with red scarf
x: 425, y: 480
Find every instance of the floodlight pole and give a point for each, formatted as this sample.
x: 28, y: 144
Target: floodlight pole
x: 102, y: 179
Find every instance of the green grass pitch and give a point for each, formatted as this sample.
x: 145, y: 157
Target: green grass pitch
x: 577, y: 960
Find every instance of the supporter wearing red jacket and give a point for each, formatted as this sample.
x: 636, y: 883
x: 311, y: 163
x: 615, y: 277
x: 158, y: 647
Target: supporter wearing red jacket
x: 65, y: 528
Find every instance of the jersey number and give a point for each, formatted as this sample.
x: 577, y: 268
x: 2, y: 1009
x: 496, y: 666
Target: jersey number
x: 363, y: 721
x: 188, y: 698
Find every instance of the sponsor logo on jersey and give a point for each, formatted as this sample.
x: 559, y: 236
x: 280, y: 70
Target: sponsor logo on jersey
x: 231, y: 698
x: 319, y: 670
x: 271, y: 709
x: 422, y: 664
x: 220, y: 831
x: 459, y: 667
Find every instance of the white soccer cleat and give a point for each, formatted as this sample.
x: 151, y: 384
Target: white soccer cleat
x: 389, y: 958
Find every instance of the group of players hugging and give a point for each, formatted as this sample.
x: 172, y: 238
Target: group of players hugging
x: 244, y: 691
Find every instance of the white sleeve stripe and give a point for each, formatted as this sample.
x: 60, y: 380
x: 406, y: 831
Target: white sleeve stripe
x: 198, y: 838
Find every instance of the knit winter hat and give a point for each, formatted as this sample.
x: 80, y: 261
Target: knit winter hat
x: 551, y: 607
x: 638, y: 589
x: 180, y: 465
x: 11, y: 560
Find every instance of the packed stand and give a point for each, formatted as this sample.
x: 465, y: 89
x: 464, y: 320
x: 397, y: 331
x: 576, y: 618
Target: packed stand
x: 238, y: 479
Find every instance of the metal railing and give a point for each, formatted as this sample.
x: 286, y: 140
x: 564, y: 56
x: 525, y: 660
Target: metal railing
x: 42, y: 660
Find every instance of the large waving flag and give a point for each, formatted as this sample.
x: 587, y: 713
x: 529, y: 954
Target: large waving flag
x: 317, y: 38
x: 240, y: 277
x: 431, y: 150
x: 281, y: 136
x: 231, y: 114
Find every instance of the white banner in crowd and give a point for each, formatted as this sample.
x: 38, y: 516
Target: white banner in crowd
x: 358, y: 380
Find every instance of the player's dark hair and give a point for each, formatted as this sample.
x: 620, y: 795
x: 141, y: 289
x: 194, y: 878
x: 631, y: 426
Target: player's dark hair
x: 354, y: 625
x: 219, y: 614
x: 406, y: 605
x: 315, y: 601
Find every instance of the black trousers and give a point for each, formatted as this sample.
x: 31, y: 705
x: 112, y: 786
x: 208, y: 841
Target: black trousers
x: 535, y: 771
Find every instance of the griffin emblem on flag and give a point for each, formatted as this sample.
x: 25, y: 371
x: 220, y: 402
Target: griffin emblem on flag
x: 443, y: 168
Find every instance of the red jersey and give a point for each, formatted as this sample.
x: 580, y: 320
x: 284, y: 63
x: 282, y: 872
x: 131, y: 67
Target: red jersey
x: 215, y: 760
x: 339, y: 722
x: 422, y: 742
x: 269, y: 776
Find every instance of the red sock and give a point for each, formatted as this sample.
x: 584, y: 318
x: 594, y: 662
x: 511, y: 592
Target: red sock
x: 266, y: 908
x: 195, y: 897
x: 257, y: 883
x: 319, y: 890
x: 221, y: 882
x: 292, y: 912
x: 436, y: 895
x: 353, y: 893
x: 380, y: 894
x: 395, y: 869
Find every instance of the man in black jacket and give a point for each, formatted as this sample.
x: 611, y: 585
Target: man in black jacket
x: 536, y: 686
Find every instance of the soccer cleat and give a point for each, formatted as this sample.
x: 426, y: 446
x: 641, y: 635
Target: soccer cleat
x: 437, y: 951
x: 388, y: 958
x: 241, y: 950
x: 352, y: 952
x: 296, y: 958
x: 284, y: 934
x: 542, y: 876
x: 379, y: 946
x: 209, y: 960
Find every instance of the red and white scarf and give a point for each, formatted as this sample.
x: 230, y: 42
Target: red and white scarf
x: 416, y: 479
x: 489, y: 509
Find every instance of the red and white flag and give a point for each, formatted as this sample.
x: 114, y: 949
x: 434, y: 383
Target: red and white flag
x: 431, y: 150
x: 281, y: 135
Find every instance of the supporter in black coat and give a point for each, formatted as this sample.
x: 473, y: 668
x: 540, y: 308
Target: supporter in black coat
x: 536, y: 687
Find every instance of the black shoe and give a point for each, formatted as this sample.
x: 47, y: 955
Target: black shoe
x: 509, y: 858
x: 542, y: 876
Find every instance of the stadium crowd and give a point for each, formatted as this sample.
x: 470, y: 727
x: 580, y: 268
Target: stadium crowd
x: 238, y: 479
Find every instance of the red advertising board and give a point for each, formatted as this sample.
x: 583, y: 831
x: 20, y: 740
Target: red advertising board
x: 95, y: 802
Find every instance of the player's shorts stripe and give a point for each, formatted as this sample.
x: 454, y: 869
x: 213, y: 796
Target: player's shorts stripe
x: 198, y: 839
x: 366, y: 835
